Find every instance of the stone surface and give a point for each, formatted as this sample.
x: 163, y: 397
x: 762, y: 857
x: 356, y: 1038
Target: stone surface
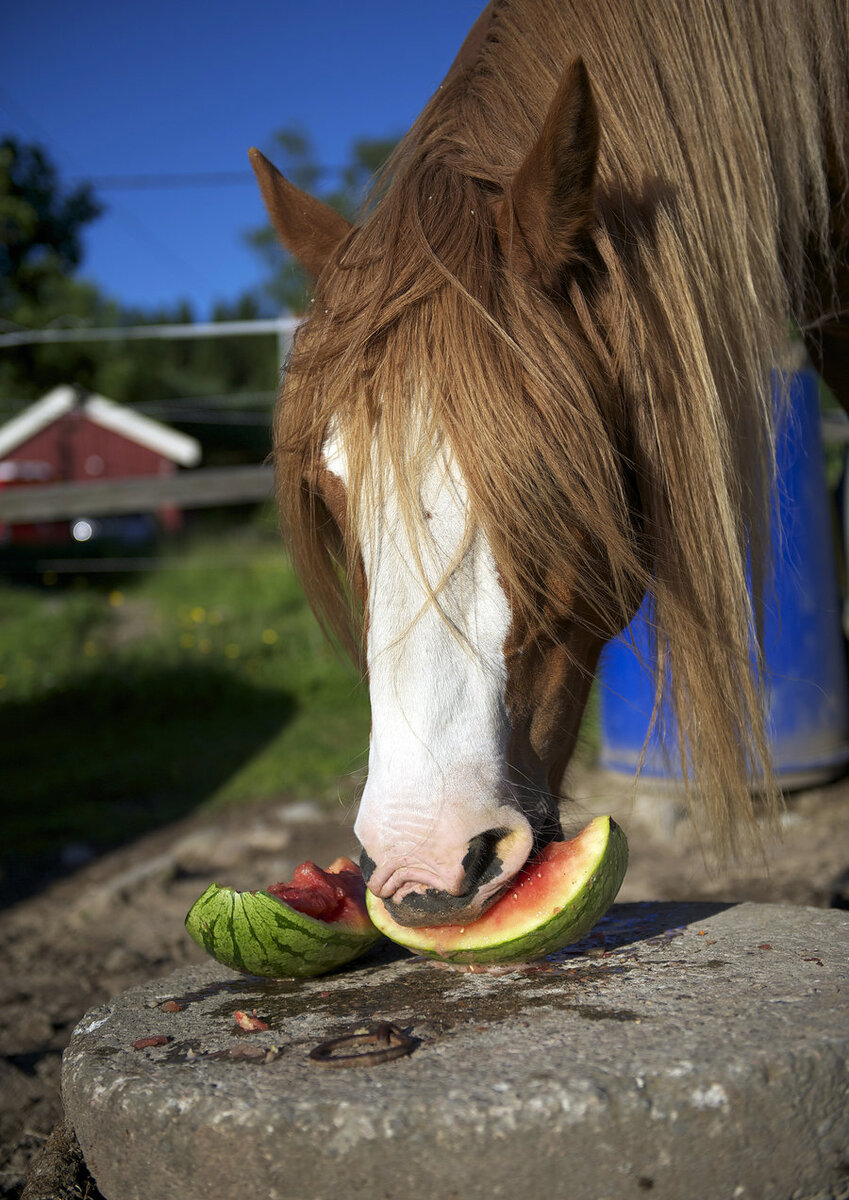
x: 681, y: 1050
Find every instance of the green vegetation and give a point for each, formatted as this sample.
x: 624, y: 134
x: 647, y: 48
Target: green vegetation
x: 42, y: 223
x: 41, y: 230
x: 129, y: 703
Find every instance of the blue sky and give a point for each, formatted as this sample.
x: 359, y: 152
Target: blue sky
x: 167, y: 87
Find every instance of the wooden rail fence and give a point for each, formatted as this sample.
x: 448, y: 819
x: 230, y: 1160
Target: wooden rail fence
x: 204, y: 488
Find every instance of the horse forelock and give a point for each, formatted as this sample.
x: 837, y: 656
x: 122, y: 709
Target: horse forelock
x: 452, y: 352
x: 616, y: 436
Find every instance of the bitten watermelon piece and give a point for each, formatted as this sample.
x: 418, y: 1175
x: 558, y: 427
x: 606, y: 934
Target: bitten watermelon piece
x: 554, y: 900
x: 299, y: 929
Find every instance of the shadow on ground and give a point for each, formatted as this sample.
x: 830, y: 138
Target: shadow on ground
x: 97, y: 765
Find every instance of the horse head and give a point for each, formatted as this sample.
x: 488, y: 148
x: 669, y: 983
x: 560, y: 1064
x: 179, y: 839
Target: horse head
x: 484, y: 605
x: 534, y: 386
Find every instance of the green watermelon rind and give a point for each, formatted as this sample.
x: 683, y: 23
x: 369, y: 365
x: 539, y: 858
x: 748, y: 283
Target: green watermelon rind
x: 574, y: 920
x: 256, y: 934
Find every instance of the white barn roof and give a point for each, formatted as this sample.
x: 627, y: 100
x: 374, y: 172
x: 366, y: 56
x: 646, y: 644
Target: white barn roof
x: 179, y: 447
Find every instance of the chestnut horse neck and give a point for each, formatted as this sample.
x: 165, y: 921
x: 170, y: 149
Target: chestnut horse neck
x: 612, y: 419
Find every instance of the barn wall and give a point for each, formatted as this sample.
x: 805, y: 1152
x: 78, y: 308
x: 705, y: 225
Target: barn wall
x: 79, y: 451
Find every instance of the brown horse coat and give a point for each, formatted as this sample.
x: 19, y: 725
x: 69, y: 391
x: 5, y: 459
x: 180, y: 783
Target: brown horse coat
x: 576, y: 274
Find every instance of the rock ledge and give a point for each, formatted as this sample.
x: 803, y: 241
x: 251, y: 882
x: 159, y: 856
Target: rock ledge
x: 681, y: 1049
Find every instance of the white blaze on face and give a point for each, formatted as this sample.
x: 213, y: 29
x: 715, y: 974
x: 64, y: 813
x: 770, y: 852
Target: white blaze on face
x: 437, y: 622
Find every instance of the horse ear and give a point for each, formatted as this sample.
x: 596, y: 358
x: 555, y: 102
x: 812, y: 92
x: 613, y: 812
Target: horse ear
x: 308, y: 228
x: 550, y: 205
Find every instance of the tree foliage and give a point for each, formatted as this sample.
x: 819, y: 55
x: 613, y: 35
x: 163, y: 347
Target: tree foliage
x: 41, y: 248
x: 42, y: 226
x: 40, y: 222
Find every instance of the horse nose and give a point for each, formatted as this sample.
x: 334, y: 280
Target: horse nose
x: 482, y: 862
x: 416, y: 896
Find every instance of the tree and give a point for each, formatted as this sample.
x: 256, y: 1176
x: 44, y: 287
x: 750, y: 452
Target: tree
x: 41, y: 248
x: 41, y: 227
x: 40, y: 222
x: 288, y: 286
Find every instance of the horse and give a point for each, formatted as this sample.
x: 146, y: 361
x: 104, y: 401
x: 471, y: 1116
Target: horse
x: 533, y: 388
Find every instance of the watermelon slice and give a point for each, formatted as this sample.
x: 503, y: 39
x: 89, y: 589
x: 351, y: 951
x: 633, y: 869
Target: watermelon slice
x: 554, y: 900
x: 306, y: 927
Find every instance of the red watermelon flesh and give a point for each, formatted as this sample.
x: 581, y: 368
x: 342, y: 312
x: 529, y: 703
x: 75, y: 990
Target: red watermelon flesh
x: 554, y: 900
x: 526, y: 902
x: 334, y: 895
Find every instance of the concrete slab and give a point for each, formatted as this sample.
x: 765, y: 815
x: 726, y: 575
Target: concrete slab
x: 680, y: 1051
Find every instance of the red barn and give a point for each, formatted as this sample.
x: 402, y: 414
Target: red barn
x: 71, y: 436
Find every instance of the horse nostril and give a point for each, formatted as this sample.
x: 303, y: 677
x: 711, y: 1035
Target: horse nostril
x: 367, y: 865
x: 482, y: 861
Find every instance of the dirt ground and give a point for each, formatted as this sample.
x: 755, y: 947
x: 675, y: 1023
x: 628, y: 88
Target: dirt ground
x: 118, y: 921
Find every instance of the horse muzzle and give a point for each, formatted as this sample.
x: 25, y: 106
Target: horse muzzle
x: 430, y: 889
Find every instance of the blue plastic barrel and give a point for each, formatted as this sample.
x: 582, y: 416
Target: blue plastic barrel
x: 808, y: 696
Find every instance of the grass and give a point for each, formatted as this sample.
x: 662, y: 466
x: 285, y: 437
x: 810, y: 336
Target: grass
x: 131, y: 701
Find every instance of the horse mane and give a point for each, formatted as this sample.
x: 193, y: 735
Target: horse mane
x: 646, y: 378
